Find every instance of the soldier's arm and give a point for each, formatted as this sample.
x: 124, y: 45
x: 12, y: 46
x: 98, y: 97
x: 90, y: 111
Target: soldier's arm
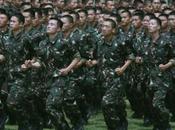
x: 121, y: 70
x: 72, y: 65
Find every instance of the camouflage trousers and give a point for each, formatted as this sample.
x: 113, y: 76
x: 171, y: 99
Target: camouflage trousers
x: 62, y: 98
x: 25, y: 102
x: 159, y: 86
x: 113, y: 104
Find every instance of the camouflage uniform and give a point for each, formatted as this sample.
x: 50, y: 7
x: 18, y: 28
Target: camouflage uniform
x: 87, y: 77
x: 72, y: 93
x: 136, y: 91
x: 3, y: 80
x: 160, y: 52
x: 171, y: 92
x: 112, y: 54
x: 17, y: 52
x: 54, y: 55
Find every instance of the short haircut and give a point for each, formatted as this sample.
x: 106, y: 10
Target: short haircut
x: 30, y: 11
x: 19, y: 16
x: 157, y: 20
x: 4, y: 12
x: 59, y: 22
x: 69, y: 17
x: 163, y: 15
x: 140, y: 15
x: 113, y: 24
x: 127, y: 11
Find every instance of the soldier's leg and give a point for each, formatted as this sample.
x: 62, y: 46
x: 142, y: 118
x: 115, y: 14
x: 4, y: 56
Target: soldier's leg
x: 113, y: 107
x: 161, y: 113
x: 16, y: 103
x: 71, y: 108
x: 54, y: 104
x: 3, y: 105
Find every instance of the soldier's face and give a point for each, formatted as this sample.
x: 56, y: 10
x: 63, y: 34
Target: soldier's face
x: 107, y: 29
x: 153, y: 26
x: 145, y: 21
x: 36, y: 21
x: 125, y: 21
x: 148, y: 7
x: 91, y: 15
x: 164, y: 21
x: 136, y: 21
x: 156, y: 4
x: 14, y: 23
x: 66, y: 25
x: 82, y: 18
x: 110, y: 5
x: 171, y: 20
x: 3, y: 20
x: 1, y: 2
x: 89, y: 3
x: 73, y: 3
x: 28, y: 19
x: 52, y: 27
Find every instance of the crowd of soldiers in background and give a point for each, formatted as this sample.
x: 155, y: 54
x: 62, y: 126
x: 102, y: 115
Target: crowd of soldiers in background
x: 62, y: 61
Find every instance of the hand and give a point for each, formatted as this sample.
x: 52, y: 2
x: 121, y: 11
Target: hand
x: 64, y: 71
x: 163, y: 67
x: 139, y: 60
x: 28, y: 63
x: 2, y: 58
x: 24, y: 67
x: 89, y: 63
x: 119, y: 71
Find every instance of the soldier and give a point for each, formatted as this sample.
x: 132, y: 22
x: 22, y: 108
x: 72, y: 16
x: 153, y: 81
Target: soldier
x: 16, y: 47
x: 72, y: 92
x: 164, y: 22
x: 161, y: 58
x: 170, y: 95
x: 136, y: 93
x: 53, y: 54
x: 112, y: 52
x: 4, y: 19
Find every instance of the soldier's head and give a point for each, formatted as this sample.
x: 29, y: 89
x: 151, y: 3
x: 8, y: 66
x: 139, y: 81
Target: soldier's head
x: 60, y: 3
x: 156, y: 5
x: 154, y: 25
x: 126, y: 18
x: 75, y: 16
x: 137, y: 20
x: 38, y: 17
x: 171, y: 19
x: 4, y: 18
x: 116, y: 18
x: 83, y: 17
x: 25, y: 6
x: 54, y: 26
x: 110, y: 5
x: 91, y: 14
x: 108, y: 28
x: 68, y: 22
x: 73, y: 4
x: 164, y: 21
x: 147, y: 17
x: 2, y: 2
x: 29, y: 15
x: 167, y: 11
x: 148, y: 6
x: 16, y: 21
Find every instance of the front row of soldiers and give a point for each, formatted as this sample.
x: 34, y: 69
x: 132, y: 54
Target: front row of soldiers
x: 48, y: 74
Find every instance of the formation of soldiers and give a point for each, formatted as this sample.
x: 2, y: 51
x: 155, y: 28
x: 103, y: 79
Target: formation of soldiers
x: 65, y: 60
